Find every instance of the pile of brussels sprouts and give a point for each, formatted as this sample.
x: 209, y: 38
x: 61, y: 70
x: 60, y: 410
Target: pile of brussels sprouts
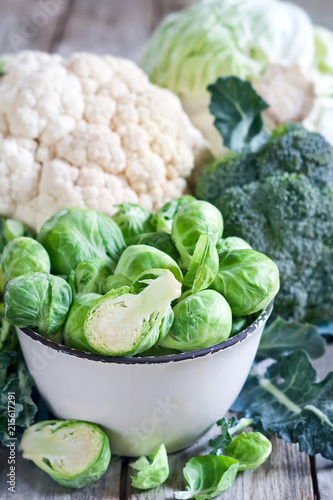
x: 136, y: 284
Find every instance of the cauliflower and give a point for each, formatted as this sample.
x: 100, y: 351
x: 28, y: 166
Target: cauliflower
x: 89, y: 131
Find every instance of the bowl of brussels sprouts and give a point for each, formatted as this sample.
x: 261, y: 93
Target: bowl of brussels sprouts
x: 144, y: 324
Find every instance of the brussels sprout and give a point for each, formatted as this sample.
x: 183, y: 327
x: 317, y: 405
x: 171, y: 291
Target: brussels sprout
x: 89, y: 277
x: 72, y: 452
x: 38, y: 300
x: 204, y: 265
x: 250, y: 449
x: 132, y: 220
x: 161, y: 241
x: 9, y: 230
x: 77, y: 235
x: 24, y: 255
x: 232, y: 243
x: 190, y: 223
x: 162, y: 220
x: 139, y: 258
x: 247, y: 279
x: 201, y: 320
x: 238, y: 324
x: 125, y: 323
x: 74, y: 327
x: 152, y: 471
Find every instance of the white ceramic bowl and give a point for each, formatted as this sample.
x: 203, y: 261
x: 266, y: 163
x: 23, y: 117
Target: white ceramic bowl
x: 143, y: 402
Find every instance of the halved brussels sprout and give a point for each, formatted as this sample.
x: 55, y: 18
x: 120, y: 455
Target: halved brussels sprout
x: 247, y: 279
x: 24, y: 255
x: 201, y: 320
x: 77, y: 235
x: 162, y: 220
x: 72, y: 452
x: 124, y: 322
x: 38, y: 300
x: 232, y: 243
x: 193, y: 220
x: 89, y: 277
x: 132, y: 219
x: 74, y: 327
x: 161, y: 241
x: 137, y: 259
x: 204, y: 265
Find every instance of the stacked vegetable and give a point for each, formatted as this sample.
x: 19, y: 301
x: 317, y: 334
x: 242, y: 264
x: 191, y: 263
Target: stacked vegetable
x: 136, y: 283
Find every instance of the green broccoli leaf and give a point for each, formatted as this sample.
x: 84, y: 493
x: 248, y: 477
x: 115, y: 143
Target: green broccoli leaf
x: 284, y: 337
x: 152, y: 471
x: 288, y: 400
x: 237, y: 109
x: 208, y: 476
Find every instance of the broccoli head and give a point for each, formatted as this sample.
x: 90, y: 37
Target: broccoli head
x: 280, y: 200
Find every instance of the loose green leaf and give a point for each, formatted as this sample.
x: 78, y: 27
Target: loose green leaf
x: 152, y: 471
x: 208, y: 476
x: 204, y: 265
x: 284, y: 337
x: 250, y: 449
x: 237, y: 109
x: 223, y: 439
x: 288, y: 400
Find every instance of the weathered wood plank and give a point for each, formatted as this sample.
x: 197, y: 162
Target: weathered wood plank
x: 324, y: 468
x: 30, y: 25
x: 32, y: 482
x: 285, y: 476
x: 108, y: 26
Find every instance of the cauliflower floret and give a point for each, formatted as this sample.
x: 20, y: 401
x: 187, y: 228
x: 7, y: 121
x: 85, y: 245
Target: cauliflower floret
x: 89, y: 131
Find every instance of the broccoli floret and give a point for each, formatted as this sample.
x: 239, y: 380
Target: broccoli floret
x: 280, y: 200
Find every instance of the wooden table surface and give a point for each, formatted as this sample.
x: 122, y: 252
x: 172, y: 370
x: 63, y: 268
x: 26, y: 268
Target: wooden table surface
x: 121, y: 27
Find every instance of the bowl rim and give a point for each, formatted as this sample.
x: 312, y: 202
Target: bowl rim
x: 144, y: 360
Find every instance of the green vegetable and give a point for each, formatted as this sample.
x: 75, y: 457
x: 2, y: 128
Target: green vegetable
x: 288, y: 400
x: 139, y: 258
x: 192, y: 221
x: 124, y: 322
x: 232, y: 243
x: 132, y: 220
x: 250, y: 449
x: 77, y: 235
x: 152, y: 471
x: 73, y: 453
x: 38, y: 300
x: 280, y: 200
x: 89, y: 277
x: 204, y: 265
x: 162, y: 220
x: 74, y: 327
x: 201, y: 320
x: 283, y: 337
x: 24, y: 255
x: 238, y: 324
x: 9, y: 230
x: 208, y: 476
x: 161, y: 241
x: 237, y: 109
x: 247, y: 279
